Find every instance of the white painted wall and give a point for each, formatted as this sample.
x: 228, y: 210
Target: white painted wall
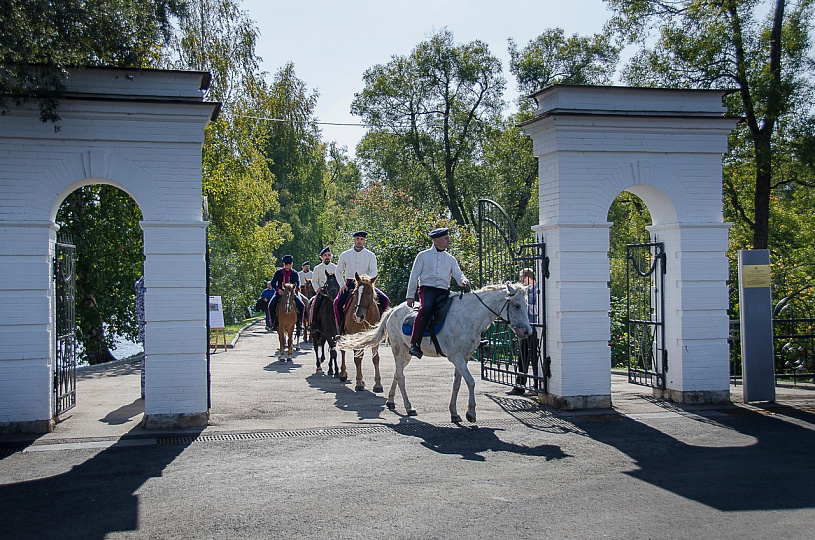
x: 141, y: 131
x: 665, y: 146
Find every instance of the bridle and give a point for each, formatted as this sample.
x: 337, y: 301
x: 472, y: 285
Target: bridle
x: 501, y: 309
x: 359, y: 308
x: 289, y: 301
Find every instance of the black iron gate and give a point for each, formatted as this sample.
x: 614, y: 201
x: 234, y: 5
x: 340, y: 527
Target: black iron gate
x: 65, y: 323
x: 501, y: 258
x: 647, y: 357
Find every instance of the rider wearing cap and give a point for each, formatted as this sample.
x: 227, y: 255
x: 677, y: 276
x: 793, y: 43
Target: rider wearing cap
x: 319, y: 279
x: 359, y: 260
x: 431, y: 273
x: 282, y: 276
x: 305, y: 273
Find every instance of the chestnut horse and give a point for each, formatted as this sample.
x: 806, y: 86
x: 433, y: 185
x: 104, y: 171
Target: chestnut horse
x: 286, y: 320
x: 362, y: 314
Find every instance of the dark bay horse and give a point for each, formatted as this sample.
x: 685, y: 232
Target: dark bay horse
x: 306, y: 294
x: 362, y: 314
x: 324, y: 325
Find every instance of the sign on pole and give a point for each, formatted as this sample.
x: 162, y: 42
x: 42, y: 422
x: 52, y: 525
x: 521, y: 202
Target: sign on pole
x: 756, y: 313
x: 216, y: 312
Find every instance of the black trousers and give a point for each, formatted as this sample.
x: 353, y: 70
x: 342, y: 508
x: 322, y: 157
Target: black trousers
x: 428, y: 296
x: 528, y: 355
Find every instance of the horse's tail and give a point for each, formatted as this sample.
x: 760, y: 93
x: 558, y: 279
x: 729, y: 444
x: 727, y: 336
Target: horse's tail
x: 368, y: 338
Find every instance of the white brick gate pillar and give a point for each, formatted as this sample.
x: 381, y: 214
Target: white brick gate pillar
x: 175, y: 337
x: 665, y: 146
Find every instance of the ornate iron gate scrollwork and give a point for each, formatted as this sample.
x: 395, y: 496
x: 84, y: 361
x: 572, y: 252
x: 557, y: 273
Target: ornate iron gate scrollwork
x: 500, y: 259
x: 65, y: 325
x: 647, y: 356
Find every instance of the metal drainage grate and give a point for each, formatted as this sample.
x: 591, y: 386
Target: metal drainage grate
x: 330, y: 432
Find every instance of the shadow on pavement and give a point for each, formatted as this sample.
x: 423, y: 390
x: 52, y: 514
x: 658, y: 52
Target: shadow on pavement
x: 366, y: 404
x: 91, y: 500
x: 769, y: 469
x: 471, y: 442
x: 125, y: 413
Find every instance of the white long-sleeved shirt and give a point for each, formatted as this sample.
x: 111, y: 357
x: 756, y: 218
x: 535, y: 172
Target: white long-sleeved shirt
x: 433, y: 268
x: 319, y: 278
x: 351, y: 261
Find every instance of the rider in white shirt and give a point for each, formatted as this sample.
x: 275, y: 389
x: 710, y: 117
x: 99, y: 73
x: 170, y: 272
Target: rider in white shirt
x: 320, y: 277
x: 430, y: 275
x: 359, y: 260
x: 305, y: 273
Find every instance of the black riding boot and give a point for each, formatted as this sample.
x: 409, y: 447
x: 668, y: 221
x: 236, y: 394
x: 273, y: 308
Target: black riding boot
x: 419, y: 327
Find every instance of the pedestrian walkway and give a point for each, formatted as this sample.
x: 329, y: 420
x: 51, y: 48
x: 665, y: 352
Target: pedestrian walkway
x: 252, y: 390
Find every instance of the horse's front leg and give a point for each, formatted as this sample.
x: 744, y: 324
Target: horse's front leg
x: 343, y: 371
x: 317, y: 351
x: 461, y: 369
x: 358, y: 363
x: 332, y: 359
x: 401, y: 359
x: 377, y: 376
x: 454, y: 417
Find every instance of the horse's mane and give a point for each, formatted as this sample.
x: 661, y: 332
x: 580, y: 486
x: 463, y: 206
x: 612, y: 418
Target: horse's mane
x: 495, y: 287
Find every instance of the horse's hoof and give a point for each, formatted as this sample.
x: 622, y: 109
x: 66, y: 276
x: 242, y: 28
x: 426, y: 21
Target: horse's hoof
x: 319, y: 370
x: 412, y: 412
x: 378, y: 389
x: 390, y: 405
x: 471, y: 418
x: 359, y: 387
x: 343, y: 378
x: 456, y: 419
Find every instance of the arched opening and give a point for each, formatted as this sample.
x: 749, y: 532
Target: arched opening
x: 102, y: 222
x: 629, y: 217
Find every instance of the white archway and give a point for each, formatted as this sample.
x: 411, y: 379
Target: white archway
x: 665, y: 146
x: 141, y: 131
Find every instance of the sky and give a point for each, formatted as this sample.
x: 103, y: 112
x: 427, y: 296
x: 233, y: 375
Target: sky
x: 332, y: 43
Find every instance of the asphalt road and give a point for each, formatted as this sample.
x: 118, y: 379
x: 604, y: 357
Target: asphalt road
x: 294, y: 455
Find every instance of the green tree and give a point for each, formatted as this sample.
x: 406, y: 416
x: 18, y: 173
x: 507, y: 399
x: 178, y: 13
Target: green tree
x: 552, y: 58
x: 217, y: 37
x: 41, y: 38
x: 430, y: 112
x: 103, y: 222
x: 724, y: 44
x: 297, y: 160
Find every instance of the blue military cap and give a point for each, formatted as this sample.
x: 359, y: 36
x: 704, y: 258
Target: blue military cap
x: 288, y: 259
x: 438, y: 233
x: 325, y: 250
x: 306, y: 263
x: 363, y: 234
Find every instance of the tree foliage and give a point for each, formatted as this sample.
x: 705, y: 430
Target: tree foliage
x: 552, y: 58
x: 103, y: 222
x: 430, y: 112
x: 724, y: 44
x: 40, y: 38
x: 237, y: 180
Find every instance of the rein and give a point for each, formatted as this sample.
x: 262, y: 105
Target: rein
x: 497, y: 315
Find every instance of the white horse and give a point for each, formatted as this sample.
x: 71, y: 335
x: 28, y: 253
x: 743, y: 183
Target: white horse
x: 469, y: 315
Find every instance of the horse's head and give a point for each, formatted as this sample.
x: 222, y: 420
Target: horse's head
x: 518, y: 309
x: 331, y: 288
x: 305, y: 288
x: 287, y: 299
x: 365, y: 294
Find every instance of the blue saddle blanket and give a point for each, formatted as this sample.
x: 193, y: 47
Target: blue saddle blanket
x: 407, y: 329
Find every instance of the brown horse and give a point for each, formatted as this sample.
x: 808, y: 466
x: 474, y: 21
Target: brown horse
x: 362, y: 314
x: 306, y: 294
x: 286, y: 320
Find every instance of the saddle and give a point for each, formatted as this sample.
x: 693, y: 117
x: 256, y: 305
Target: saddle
x: 437, y: 318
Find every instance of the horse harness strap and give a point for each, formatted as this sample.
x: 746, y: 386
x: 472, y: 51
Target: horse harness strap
x: 497, y: 315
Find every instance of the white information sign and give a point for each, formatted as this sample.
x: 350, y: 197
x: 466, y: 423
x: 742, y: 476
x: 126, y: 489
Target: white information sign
x: 216, y: 312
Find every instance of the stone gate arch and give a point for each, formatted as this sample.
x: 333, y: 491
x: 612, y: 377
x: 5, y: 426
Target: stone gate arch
x: 141, y: 131
x: 665, y: 146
